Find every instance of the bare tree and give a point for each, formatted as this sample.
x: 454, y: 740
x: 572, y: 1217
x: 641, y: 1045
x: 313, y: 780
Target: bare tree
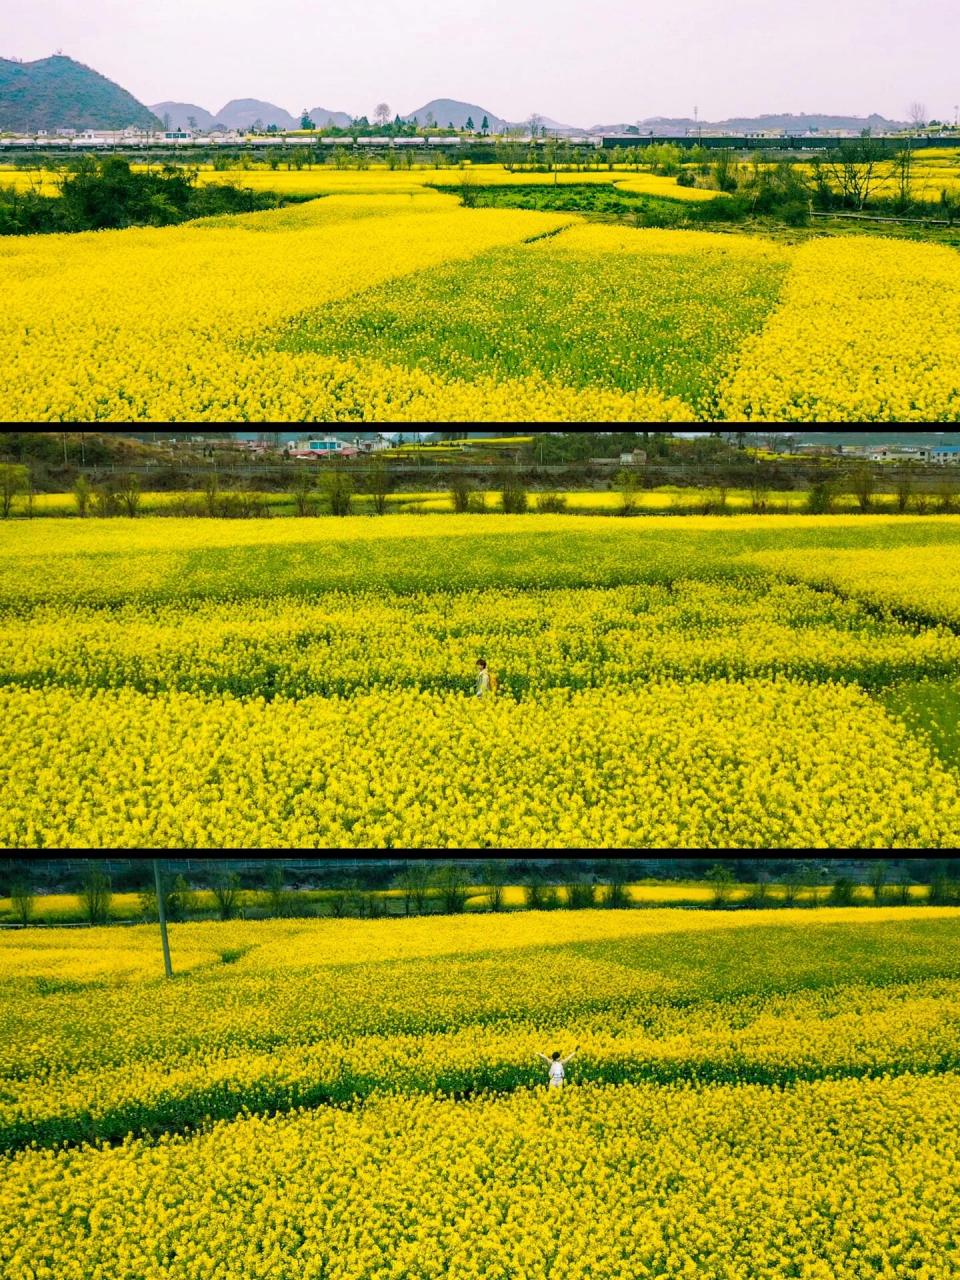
x: 382, y: 113
x: 863, y: 480
x: 854, y: 167
x: 535, y: 124
x: 905, y: 487
x: 917, y: 111
x: 414, y: 883
x: 902, y: 167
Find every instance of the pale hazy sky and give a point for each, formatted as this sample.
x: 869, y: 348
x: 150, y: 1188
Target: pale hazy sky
x: 580, y: 63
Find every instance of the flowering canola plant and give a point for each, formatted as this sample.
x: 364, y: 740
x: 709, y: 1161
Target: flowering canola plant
x: 301, y: 1108
x: 839, y: 348
x: 305, y: 682
x: 385, y: 300
x: 749, y: 762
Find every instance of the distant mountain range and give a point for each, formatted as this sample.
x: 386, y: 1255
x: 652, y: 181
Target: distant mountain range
x: 447, y: 111
x: 753, y: 124
x: 243, y: 113
x: 58, y: 93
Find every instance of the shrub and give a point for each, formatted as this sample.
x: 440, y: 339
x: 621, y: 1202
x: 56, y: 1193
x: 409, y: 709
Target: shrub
x: 493, y: 875
x: 414, y: 883
x: 552, y: 503
x: 13, y: 478
x: 533, y: 892
x: 95, y: 894
x: 580, y: 895
x: 278, y: 899
x: 338, y: 488
x: 226, y: 892
x: 878, y: 880
x: 104, y: 500
x: 452, y: 886
x: 791, y: 887
x: 302, y: 490
x: 181, y: 901
x: 513, y: 498
x: 722, y: 880
x: 211, y: 494
x: 22, y: 898
x: 379, y: 486
x: 796, y: 214
x: 761, y: 892
x: 617, y: 897
x: 460, y: 493
x: 820, y: 498
x: 81, y: 495
x: 128, y: 495
x: 841, y: 894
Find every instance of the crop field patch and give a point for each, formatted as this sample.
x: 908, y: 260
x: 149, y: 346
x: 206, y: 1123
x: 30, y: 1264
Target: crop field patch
x: 323, y: 1104
x: 385, y: 300
x: 618, y: 309
x: 722, y: 683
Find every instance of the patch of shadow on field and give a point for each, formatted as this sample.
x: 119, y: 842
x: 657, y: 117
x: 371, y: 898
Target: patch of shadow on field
x: 930, y: 710
x: 769, y: 960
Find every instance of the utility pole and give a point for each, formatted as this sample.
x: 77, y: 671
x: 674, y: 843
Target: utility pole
x: 64, y: 436
x: 163, y: 919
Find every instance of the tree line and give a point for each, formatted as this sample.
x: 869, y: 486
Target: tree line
x: 425, y: 887
x: 101, y: 194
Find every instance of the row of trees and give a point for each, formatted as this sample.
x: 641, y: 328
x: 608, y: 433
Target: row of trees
x: 425, y: 887
x: 806, y: 883
x: 333, y: 492
x: 116, y: 495
x: 913, y: 492
x: 853, y: 176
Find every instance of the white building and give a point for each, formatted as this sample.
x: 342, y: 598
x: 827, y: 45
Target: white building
x: 341, y: 444
x: 946, y: 455
x: 895, y: 453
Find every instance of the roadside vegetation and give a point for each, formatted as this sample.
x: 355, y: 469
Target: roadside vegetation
x: 100, y: 194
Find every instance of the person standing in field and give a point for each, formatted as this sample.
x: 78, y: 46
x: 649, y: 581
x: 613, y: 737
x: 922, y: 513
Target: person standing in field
x: 557, y: 1065
x: 484, y: 688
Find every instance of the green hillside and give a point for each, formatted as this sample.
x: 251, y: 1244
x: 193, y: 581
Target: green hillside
x: 58, y: 93
x: 922, y: 439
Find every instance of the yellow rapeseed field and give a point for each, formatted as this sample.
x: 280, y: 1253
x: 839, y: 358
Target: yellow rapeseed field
x: 584, y: 768
x: 842, y: 345
x: 714, y: 681
x: 362, y: 1099
x: 645, y: 325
